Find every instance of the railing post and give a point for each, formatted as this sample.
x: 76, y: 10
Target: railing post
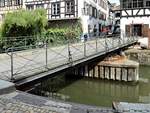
x: 25, y: 42
x: 69, y: 54
x: 112, y: 42
x: 46, y: 54
x: 84, y: 48
x: 106, y: 45
x: 123, y: 40
x: 119, y: 42
x: 12, y: 65
x: 96, y: 45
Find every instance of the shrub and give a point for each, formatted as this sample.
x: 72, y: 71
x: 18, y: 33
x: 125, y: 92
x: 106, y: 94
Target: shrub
x: 60, y: 35
x: 24, y: 23
x: 67, y: 25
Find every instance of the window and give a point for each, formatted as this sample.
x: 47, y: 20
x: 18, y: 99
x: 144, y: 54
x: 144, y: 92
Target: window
x: 39, y: 6
x: 117, y: 14
x: 9, y: 2
x: 129, y: 5
x: 17, y: 2
x: 55, y: 9
x: 86, y: 8
x: 147, y: 3
x: 94, y: 12
x: 2, y: 3
x: 95, y: 1
x: 90, y: 10
x: 70, y: 7
x: 132, y: 3
x: 29, y: 7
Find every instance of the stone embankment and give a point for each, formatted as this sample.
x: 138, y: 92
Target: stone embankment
x: 139, y: 55
x: 115, y: 68
x: 12, y: 101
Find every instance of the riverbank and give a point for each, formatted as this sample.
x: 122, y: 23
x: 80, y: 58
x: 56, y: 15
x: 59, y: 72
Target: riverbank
x: 20, y: 102
x: 139, y: 55
x: 13, y: 101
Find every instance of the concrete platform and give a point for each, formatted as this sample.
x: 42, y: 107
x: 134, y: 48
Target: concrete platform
x: 6, y: 87
x: 20, y: 102
x: 13, y: 101
x: 131, y: 107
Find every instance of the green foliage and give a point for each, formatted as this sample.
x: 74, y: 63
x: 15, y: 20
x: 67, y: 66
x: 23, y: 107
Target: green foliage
x: 24, y: 23
x: 55, y: 35
x: 67, y: 25
x: 60, y: 35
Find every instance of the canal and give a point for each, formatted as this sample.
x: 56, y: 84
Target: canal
x: 93, y: 91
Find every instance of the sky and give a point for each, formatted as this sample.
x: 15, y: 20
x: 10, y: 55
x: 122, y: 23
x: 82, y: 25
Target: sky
x: 114, y: 1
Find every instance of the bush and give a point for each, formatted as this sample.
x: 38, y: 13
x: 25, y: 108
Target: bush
x: 72, y: 26
x: 24, y: 23
x: 60, y: 35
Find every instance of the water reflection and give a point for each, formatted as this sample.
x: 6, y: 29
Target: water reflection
x: 98, y: 92
x: 95, y: 92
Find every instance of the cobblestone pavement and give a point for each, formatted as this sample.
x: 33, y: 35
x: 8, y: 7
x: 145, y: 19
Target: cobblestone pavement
x: 20, y: 102
x: 9, y: 106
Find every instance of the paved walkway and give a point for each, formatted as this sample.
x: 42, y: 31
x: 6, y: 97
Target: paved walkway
x: 20, y: 102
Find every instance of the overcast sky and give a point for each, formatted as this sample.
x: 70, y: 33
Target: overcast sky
x: 114, y: 1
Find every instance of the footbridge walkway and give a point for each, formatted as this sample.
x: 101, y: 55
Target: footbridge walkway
x: 26, y: 65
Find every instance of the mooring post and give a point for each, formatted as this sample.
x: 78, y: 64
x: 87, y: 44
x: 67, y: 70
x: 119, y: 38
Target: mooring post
x: 12, y: 65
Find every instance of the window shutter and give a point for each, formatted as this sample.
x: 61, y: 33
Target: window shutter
x: 145, y: 29
x: 128, y: 31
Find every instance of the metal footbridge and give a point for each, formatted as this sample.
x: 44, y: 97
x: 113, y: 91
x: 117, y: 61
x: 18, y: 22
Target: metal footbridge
x: 26, y: 65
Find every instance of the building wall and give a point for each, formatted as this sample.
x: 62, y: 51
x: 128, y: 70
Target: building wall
x: 133, y: 20
x: 133, y: 17
x: 12, y: 6
x: 88, y: 20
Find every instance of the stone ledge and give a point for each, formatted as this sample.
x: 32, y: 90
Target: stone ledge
x: 125, y: 63
x: 6, y: 87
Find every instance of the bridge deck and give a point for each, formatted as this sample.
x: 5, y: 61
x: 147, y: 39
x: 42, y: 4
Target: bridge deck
x: 25, y: 66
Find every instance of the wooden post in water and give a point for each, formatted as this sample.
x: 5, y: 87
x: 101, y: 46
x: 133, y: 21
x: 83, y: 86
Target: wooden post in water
x: 86, y: 74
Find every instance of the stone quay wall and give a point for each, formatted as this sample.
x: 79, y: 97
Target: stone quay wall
x: 141, y: 56
x: 120, y: 69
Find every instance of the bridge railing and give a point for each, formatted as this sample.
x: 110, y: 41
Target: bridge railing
x: 24, y: 61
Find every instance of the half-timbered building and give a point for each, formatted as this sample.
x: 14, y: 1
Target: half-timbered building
x: 92, y: 13
x: 9, y: 6
x: 135, y: 18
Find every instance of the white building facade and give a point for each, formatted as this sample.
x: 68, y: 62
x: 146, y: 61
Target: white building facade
x: 92, y: 13
x: 135, y: 18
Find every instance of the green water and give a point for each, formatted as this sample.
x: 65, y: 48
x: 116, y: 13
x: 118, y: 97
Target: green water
x: 96, y: 92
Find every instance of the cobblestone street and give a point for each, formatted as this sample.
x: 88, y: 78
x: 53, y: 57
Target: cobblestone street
x: 20, y: 102
x: 11, y: 106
